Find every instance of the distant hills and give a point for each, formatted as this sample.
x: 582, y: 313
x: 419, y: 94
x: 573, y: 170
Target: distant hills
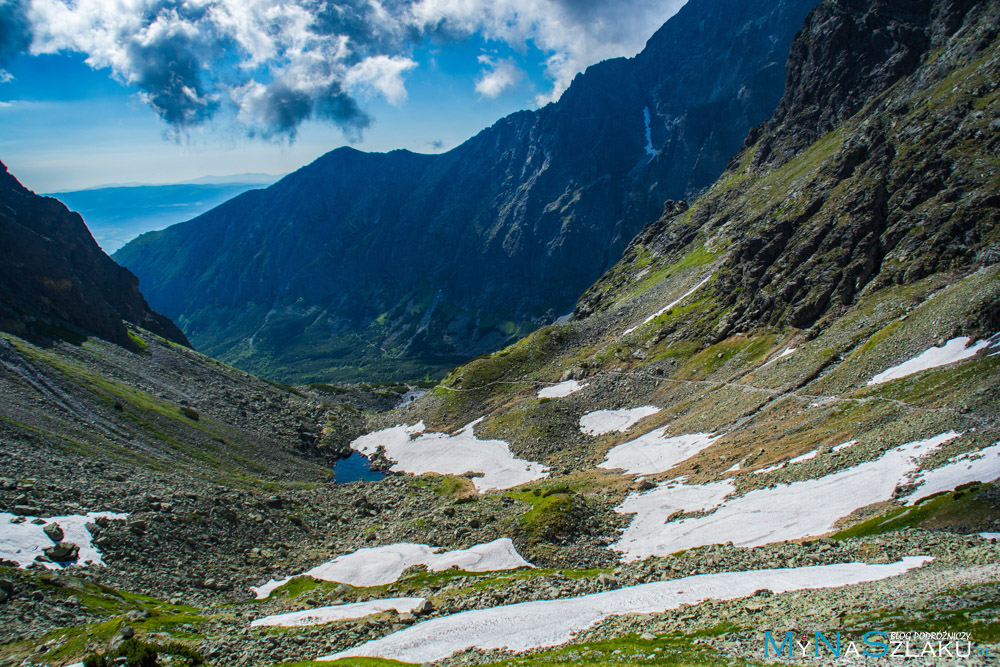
x: 116, y: 214
x: 399, y: 265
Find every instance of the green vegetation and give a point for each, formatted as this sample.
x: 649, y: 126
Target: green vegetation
x: 139, y: 342
x: 190, y: 413
x: 142, y: 654
x: 961, y: 509
x: 551, y: 515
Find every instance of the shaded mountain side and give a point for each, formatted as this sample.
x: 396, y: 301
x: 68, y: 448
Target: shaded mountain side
x: 370, y: 265
x: 54, y: 275
x: 904, y: 189
x: 763, y: 311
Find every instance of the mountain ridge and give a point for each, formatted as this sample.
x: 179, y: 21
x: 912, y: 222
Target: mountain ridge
x: 529, y: 212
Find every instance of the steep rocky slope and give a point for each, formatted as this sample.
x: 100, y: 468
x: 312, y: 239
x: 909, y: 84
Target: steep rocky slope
x: 863, y: 429
x: 54, y: 276
x: 362, y: 266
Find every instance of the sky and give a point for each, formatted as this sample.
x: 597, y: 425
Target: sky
x: 96, y: 92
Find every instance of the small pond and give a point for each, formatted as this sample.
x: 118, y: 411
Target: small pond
x: 354, y: 468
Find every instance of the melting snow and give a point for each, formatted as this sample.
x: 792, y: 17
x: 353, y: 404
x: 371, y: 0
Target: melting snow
x: 600, y: 422
x: 417, y: 452
x: 844, y: 445
x: 529, y: 625
x: 797, y: 459
x: 337, y: 612
x: 377, y: 566
x: 788, y: 351
x: 561, y: 389
x: 656, y: 452
x: 647, y: 118
x: 669, y: 305
x: 787, y: 512
x: 954, y: 350
x: 803, y: 457
x: 21, y: 542
x: 990, y: 536
x: 981, y: 466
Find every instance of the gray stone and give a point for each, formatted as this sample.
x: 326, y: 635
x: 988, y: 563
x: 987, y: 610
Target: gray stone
x: 54, y: 532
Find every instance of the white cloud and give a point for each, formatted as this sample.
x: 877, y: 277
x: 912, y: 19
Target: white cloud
x: 575, y: 33
x: 497, y: 77
x: 278, y: 64
x: 383, y: 74
x: 5, y: 76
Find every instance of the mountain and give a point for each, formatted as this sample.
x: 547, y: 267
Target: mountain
x: 53, y: 276
x: 828, y: 304
x: 398, y: 265
x: 779, y: 409
x: 118, y: 214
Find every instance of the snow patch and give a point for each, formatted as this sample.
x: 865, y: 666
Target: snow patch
x: 990, y: 536
x: 377, y: 566
x: 656, y: 452
x: 803, y: 457
x: 844, y: 445
x: 600, y: 422
x: 337, y: 612
x: 529, y: 625
x: 786, y: 512
x: 669, y: 305
x: 981, y: 466
x: 647, y: 118
x: 562, y: 389
x: 788, y: 351
x: 417, y: 452
x: 951, y: 352
x: 779, y: 466
x: 21, y: 542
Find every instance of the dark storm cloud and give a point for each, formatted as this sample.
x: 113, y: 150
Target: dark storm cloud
x: 281, y: 109
x: 168, y: 70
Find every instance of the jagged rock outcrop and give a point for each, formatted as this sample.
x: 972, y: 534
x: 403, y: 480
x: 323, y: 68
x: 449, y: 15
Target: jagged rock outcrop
x: 54, y: 276
x: 366, y: 265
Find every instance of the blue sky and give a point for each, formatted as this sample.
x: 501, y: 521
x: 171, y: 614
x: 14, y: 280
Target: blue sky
x: 161, y: 91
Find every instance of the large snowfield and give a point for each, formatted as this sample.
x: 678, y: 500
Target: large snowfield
x: 376, y: 566
x: 529, y: 625
x: 656, y: 452
x: 788, y: 511
x: 417, y: 452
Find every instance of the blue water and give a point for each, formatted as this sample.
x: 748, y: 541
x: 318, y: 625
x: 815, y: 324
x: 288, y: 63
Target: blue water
x: 354, y: 468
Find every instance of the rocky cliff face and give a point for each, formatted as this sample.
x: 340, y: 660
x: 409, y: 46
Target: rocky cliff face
x: 874, y: 171
x: 53, y: 275
x: 361, y: 265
